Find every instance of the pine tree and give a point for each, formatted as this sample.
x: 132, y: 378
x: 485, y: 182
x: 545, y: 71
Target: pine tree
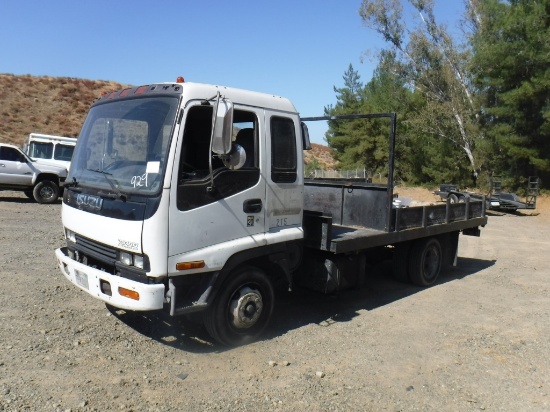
x: 512, y: 61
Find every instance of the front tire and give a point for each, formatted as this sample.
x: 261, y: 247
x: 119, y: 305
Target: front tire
x: 46, y: 191
x: 425, y: 261
x: 242, y: 308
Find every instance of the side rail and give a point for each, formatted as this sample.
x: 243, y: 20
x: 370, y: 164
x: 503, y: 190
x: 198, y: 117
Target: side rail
x: 425, y: 216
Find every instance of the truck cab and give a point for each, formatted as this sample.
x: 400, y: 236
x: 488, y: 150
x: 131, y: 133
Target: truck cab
x: 174, y: 189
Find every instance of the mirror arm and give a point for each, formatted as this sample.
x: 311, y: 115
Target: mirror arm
x: 214, y: 114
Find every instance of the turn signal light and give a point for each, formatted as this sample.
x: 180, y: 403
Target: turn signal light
x: 127, y: 293
x: 198, y: 264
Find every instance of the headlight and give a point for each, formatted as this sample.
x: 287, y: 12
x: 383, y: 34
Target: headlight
x: 138, y: 261
x: 129, y: 259
x: 69, y: 234
x: 126, y: 258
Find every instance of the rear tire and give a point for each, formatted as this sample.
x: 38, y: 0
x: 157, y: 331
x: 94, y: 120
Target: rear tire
x: 453, y: 198
x: 46, y: 191
x: 426, y: 258
x: 242, y: 308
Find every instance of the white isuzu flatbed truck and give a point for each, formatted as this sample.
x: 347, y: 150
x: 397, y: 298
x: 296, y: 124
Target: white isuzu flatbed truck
x: 191, y: 197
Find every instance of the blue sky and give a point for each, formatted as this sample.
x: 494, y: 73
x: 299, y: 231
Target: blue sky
x: 298, y: 49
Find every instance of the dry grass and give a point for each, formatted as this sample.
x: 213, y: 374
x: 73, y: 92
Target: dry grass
x: 323, y: 154
x: 51, y: 105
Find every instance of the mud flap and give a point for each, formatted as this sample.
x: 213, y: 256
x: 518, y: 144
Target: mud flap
x: 329, y: 273
x: 449, y: 246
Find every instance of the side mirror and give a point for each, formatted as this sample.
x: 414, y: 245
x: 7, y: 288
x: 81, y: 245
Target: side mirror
x: 236, y: 157
x: 306, y: 144
x: 223, y: 126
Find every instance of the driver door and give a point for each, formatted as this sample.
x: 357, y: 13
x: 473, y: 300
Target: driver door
x: 227, y: 205
x: 14, y: 168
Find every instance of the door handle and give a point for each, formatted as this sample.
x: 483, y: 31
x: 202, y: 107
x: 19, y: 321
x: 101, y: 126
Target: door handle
x: 252, y: 206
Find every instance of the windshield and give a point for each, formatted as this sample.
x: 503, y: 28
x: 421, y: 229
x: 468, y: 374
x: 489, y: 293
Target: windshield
x: 123, y: 146
x: 40, y: 150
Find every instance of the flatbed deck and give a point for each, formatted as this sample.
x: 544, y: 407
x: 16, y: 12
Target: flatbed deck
x: 346, y: 240
x: 342, y: 218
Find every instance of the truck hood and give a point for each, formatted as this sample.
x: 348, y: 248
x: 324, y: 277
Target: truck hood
x: 108, y: 231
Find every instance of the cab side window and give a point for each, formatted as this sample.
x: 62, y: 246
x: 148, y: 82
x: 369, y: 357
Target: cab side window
x: 283, y: 150
x: 10, y: 154
x: 196, y: 187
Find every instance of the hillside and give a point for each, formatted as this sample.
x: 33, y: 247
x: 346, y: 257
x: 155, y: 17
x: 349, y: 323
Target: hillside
x: 323, y: 154
x: 58, y: 106
x: 50, y: 105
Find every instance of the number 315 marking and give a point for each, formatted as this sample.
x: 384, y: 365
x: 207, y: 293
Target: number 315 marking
x: 282, y: 222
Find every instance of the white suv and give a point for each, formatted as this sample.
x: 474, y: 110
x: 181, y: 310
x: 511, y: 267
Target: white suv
x: 38, y: 181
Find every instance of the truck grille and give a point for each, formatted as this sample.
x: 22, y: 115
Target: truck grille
x: 96, y: 250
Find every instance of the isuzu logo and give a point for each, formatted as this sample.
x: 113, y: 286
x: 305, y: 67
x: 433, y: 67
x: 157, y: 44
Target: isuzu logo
x: 126, y: 244
x: 89, y: 201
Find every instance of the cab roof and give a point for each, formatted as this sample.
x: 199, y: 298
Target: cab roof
x: 200, y: 91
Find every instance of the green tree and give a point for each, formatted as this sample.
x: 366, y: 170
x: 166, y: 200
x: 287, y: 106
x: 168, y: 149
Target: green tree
x: 512, y: 62
x: 364, y: 143
x: 346, y: 136
x: 431, y: 64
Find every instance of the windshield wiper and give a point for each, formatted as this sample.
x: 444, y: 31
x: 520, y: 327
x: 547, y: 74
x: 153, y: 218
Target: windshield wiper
x: 72, y: 184
x: 108, y: 177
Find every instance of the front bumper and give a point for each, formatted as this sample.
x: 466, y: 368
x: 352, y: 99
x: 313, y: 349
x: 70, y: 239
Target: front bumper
x: 92, y: 281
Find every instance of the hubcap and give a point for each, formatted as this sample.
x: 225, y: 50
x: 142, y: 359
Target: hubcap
x: 246, y: 308
x: 431, y: 263
x: 46, y: 193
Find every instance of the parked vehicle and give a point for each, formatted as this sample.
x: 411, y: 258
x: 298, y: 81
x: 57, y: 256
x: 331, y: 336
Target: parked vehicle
x: 41, y: 182
x: 48, y: 149
x: 497, y: 199
x: 191, y: 198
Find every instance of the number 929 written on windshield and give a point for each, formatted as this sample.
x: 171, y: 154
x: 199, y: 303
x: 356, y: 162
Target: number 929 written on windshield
x: 139, y: 181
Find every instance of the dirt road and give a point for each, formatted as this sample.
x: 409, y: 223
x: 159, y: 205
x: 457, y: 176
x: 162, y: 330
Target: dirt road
x: 478, y: 340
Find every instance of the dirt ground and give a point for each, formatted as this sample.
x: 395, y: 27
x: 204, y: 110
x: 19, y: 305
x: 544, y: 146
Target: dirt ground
x: 477, y: 340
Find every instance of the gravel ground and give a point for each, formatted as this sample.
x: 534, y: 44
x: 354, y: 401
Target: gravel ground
x: 478, y: 340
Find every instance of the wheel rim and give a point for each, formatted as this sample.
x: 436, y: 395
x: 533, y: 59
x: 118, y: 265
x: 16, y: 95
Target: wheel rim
x: 245, y: 308
x: 46, y: 192
x: 431, y: 263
